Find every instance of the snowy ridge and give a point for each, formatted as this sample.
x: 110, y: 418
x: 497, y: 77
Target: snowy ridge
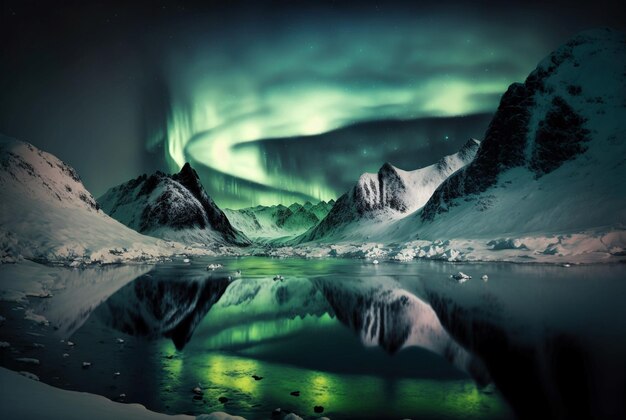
x: 406, y: 191
x: 278, y: 221
x: 47, y: 214
x: 174, y: 207
x: 390, y: 194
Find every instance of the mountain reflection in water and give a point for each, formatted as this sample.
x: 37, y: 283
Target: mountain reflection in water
x: 550, y: 343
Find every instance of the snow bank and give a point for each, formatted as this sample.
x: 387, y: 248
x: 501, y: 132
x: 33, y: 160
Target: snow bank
x: 577, y: 248
x: 24, y: 398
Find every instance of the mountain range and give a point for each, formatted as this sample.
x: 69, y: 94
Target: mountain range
x: 546, y: 181
x: 262, y: 222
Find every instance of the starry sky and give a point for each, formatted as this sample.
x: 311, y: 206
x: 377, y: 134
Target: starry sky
x: 274, y: 101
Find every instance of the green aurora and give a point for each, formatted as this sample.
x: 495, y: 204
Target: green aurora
x: 265, y: 85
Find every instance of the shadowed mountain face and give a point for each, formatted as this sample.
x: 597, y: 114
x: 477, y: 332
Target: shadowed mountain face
x: 161, y: 307
x: 565, y: 118
x: 171, y: 206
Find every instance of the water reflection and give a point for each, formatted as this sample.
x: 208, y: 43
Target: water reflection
x: 77, y: 293
x: 385, y: 315
x: 364, y: 341
x: 553, y: 340
x: 162, y: 307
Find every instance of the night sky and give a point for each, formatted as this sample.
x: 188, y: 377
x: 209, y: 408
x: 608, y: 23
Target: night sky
x: 270, y: 101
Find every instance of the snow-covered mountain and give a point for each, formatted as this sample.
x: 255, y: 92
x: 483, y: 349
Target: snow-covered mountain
x: 278, y: 221
x: 47, y: 214
x: 388, y: 195
x: 545, y: 184
x: 553, y: 157
x: 171, y: 207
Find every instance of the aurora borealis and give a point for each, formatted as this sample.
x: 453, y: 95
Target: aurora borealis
x: 272, y: 102
x: 311, y: 82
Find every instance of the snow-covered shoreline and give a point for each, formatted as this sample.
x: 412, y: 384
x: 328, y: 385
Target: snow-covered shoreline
x: 567, y: 248
x: 26, y: 398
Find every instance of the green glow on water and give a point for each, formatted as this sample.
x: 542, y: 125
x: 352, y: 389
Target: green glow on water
x: 259, y: 331
x: 341, y: 395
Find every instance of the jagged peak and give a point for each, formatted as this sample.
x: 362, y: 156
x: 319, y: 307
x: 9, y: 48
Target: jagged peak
x: 187, y: 171
x: 387, y: 168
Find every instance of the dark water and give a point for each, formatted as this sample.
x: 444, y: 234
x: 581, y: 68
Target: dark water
x: 396, y: 340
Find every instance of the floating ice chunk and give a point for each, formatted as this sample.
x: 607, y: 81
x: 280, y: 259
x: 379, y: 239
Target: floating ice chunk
x: 186, y: 260
x: 375, y: 262
x: 566, y: 265
x: 278, y: 277
x: 214, y: 266
x: 197, y: 390
x: 116, y: 374
x: 460, y: 277
x: 71, y: 343
x: 28, y: 360
x: 120, y: 340
x: 4, y: 345
x: 29, y: 375
x: 66, y: 355
x: 86, y: 365
x: 31, y: 316
x: 485, y: 277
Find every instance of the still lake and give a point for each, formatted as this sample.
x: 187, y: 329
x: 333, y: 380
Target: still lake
x: 351, y: 340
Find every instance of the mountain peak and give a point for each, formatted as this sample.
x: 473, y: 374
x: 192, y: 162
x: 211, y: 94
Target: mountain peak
x: 177, y: 202
x: 387, y: 167
x: 187, y: 169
